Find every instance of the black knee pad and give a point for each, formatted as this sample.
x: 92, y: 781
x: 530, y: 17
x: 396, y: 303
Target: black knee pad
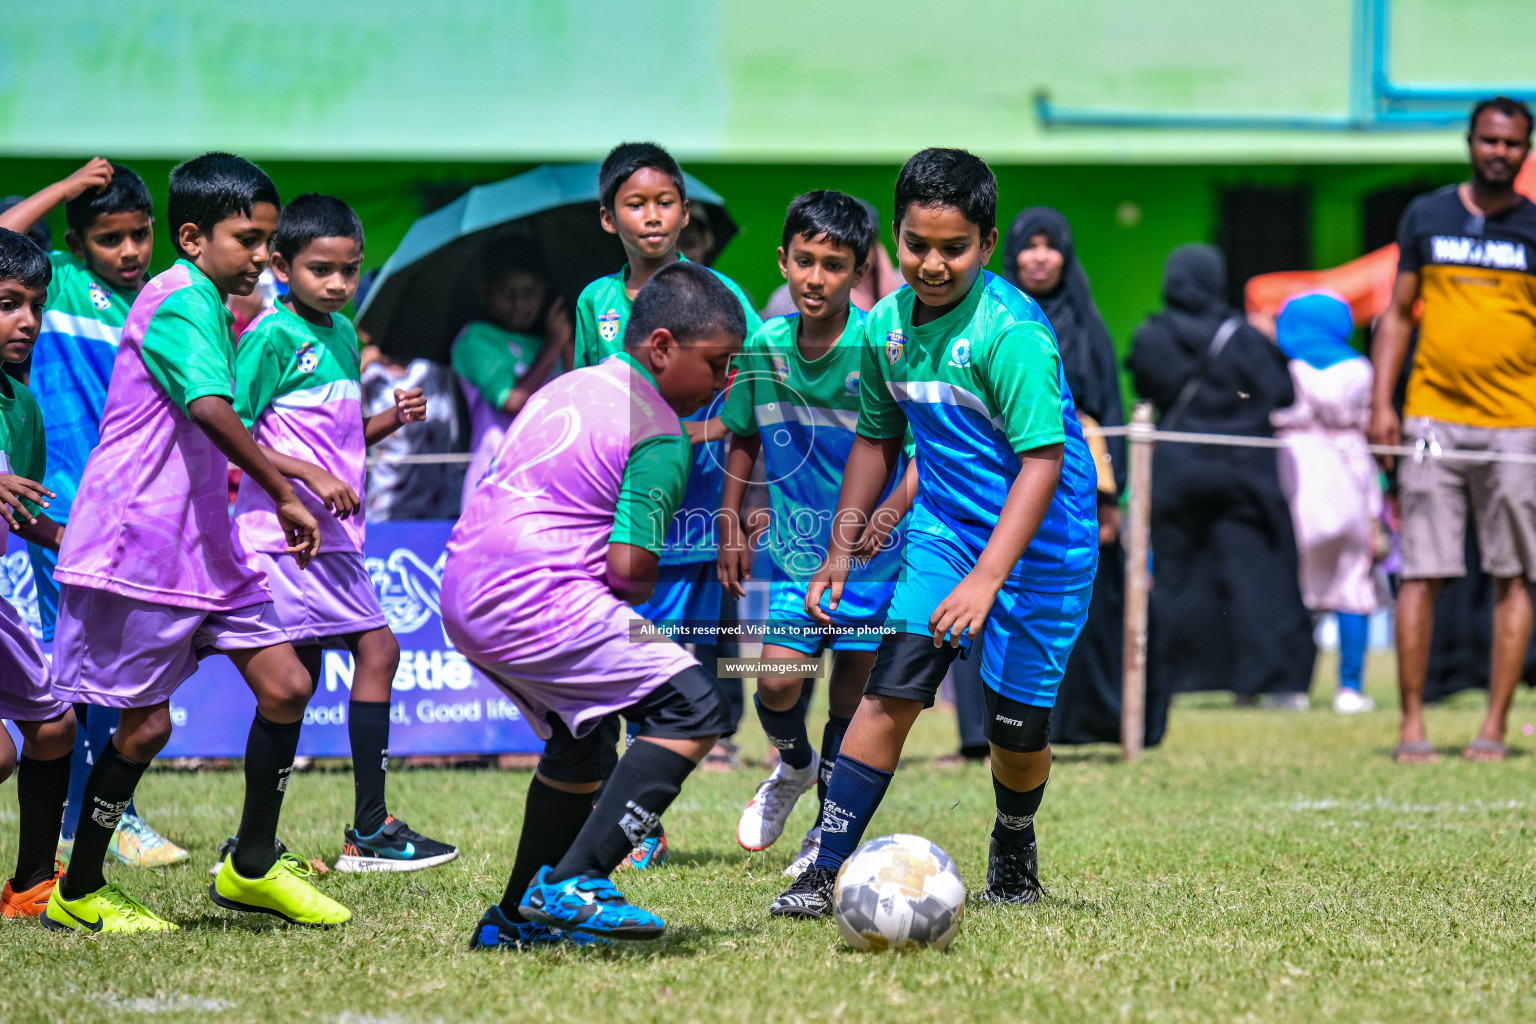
x: 1012, y: 725
x: 689, y: 706
x: 577, y: 761
x: 909, y: 667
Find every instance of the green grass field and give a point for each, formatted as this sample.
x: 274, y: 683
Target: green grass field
x: 1259, y: 866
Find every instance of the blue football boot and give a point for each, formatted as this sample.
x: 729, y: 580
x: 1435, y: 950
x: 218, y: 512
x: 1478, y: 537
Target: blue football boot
x: 590, y: 905
x: 495, y: 932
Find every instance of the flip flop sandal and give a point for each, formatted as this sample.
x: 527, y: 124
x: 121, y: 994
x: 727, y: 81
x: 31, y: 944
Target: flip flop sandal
x: 1420, y: 752
x: 1492, y: 750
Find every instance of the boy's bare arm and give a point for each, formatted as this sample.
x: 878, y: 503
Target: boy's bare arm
x: 95, y: 174
x: 337, y: 495
x: 1029, y: 499
x: 734, y: 559
x: 410, y: 407
x: 43, y: 532
x: 631, y: 572
x: 891, y: 511
x: 704, y: 431
x: 216, y: 417
x: 871, y: 461
x: 531, y: 381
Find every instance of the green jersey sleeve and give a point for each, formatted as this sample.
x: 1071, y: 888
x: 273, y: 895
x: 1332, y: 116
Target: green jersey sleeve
x: 585, y: 342
x: 186, y: 348
x: 880, y: 415
x: 1023, y: 380
x: 739, y: 411
x: 493, y: 360
x: 655, y: 478
x: 29, y: 453
x: 257, y: 376
x: 64, y: 268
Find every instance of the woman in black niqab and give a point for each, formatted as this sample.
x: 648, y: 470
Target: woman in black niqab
x: 1229, y: 608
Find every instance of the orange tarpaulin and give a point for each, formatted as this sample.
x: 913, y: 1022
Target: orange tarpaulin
x: 1366, y: 282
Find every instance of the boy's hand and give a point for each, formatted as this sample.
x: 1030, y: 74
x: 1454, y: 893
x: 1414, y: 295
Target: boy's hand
x: 878, y: 531
x: 411, y: 406
x: 95, y: 174
x: 338, y: 496
x: 301, y: 530
x: 733, y: 563
x: 12, y: 489
x: 964, y: 611
x: 827, y: 578
x: 558, y: 329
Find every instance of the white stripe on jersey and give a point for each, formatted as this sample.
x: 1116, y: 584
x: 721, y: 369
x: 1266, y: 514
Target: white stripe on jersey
x: 770, y: 413
x: 80, y: 327
x: 938, y: 392
x: 320, y: 394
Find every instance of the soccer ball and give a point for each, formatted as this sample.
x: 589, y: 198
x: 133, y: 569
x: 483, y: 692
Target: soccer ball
x: 898, y: 892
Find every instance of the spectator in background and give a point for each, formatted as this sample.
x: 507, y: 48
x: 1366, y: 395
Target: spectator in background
x: 1230, y: 615
x: 1330, y: 477
x: 500, y: 362
x: 1469, y: 252
x: 417, y: 490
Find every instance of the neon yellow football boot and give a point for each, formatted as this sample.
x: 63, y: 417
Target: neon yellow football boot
x: 282, y: 892
x: 108, y: 909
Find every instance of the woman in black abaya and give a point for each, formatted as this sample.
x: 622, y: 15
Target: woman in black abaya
x: 1230, y: 615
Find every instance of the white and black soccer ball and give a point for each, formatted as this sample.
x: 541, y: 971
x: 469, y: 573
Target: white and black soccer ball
x: 898, y: 892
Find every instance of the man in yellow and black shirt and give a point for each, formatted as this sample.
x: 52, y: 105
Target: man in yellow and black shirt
x: 1468, y: 252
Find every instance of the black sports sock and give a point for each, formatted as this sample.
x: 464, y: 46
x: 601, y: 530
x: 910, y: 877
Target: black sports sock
x: 551, y: 821
x: 41, y: 789
x: 786, y: 731
x: 831, y: 743
x: 646, y: 781
x: 107, y: 793
x: 368, y: 731
x: 269, y: 752
x: 1015, y: 825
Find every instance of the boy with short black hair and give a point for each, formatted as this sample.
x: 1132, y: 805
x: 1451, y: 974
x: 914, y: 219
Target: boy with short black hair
x: 794, y: 399
x: 109, y: 241
x: 154, y: 568
x: 500, y: 362
x: 644, y: 201
x: 46, y: 723
x: 1002, y: 542
x: 560, y: 538
x: 297, y: 390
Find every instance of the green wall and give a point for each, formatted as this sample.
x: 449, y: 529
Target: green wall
x: 1177, y: 204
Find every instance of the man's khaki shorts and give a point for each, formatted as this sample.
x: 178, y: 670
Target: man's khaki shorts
x: 1435, y: 492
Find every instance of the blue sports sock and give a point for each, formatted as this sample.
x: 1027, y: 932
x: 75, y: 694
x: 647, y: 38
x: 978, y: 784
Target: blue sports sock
x: 853, y: 796
x: 96, y: 727
x: 786, y: 731
x: 1354, y: 633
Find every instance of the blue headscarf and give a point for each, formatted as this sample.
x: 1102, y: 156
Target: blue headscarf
x: 1316, y: 327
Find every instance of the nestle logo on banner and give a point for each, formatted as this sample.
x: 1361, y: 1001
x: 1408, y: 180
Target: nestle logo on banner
x: 1478, y: 252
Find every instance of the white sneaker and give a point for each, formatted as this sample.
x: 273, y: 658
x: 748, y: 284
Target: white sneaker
x: 763, y: 821
x: 809, y: 849
x: 1352, y: 702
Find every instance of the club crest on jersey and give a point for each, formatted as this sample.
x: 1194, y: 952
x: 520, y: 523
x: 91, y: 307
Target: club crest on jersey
x: 608, y: 325
x: 960, y: 354
x: 895, y: 343
x: 851, y: 382
x: 100, y: 299
x: 781, y: 368
x: 309, y: 359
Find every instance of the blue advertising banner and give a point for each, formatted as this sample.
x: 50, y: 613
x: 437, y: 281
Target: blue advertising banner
x: 441, y: 704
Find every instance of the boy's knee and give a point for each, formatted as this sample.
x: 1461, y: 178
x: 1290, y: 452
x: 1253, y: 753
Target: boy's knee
x: 143, y: 732
x: 381, y: 650
x: 285, y: 695
x: 779, y: 694
x: 1015, y: 726
x: 51, y: 740
x: 7, y: 756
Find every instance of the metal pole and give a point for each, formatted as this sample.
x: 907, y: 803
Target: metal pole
x: 1138, y: 535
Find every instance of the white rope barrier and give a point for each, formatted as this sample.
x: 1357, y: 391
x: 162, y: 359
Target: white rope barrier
x: 1142, y: 433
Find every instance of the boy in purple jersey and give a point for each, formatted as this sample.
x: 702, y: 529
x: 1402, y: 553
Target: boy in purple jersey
x: 151, y: 581
x: 559, y: 540
x: 46, y: 724
x: 297, y: 387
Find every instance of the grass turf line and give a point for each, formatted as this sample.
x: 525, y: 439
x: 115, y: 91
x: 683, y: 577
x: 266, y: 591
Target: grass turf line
x: 1259, y: 866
